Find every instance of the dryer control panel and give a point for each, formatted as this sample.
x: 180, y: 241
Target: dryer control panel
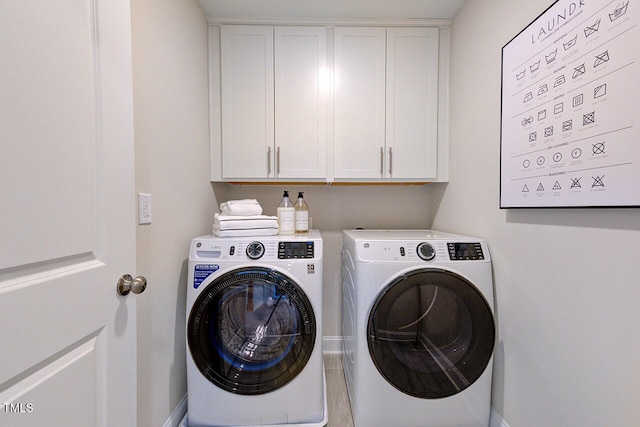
x: 465, y: 251
x: 422, y: 251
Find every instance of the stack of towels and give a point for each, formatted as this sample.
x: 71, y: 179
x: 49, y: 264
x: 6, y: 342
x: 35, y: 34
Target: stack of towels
x: 243, y: 218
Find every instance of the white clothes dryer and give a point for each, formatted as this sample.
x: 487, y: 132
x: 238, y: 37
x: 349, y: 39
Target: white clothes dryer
x: 418, y: 328
x: 254, y: 331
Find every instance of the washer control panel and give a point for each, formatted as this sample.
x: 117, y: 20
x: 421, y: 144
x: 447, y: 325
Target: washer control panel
x: 295, y: 250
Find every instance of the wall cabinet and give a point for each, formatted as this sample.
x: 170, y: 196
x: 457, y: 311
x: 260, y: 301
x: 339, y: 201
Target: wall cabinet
x: 386, y: 103
x: 273, y: 102
x: 322, y: 103
x: 359, y: 126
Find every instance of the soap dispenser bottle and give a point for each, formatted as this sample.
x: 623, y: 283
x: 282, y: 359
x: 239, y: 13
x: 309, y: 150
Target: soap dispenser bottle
x: 286, y: 215
x: 301, y: 214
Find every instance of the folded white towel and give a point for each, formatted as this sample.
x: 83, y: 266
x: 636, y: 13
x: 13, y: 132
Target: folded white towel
x: 241, y: 207
x: 244, y: 222
x: 244, y: 233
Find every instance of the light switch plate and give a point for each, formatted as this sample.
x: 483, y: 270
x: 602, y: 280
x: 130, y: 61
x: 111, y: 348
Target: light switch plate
x: 144, y: 208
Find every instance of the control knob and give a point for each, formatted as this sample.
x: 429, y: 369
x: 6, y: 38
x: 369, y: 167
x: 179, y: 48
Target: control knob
x: 426, y: 251
x: 255, y: 250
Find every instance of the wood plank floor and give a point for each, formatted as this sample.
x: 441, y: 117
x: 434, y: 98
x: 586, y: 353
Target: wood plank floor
x: 337, y: 397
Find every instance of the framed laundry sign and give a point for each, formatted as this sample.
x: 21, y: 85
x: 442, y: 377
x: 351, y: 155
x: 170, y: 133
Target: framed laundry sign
x: 570, y: 126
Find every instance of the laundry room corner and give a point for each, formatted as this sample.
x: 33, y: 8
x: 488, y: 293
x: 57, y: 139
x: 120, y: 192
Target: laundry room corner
x: 565, y: 279
x: 171, y: 147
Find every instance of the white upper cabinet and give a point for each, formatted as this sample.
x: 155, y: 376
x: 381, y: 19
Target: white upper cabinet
x: 386, y: 103
x: 329, y: 103
x: 273, y: 102
x: 300, y: 100
x: 359, y: 126
x: 247, y: 101
x: 412, y: 103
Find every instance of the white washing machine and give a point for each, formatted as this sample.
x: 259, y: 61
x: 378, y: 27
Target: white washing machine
x: 254, y: 331
x: 418, y: 327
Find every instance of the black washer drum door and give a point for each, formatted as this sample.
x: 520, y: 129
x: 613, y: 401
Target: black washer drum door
x: 251, y: 331
x: 431, y: 333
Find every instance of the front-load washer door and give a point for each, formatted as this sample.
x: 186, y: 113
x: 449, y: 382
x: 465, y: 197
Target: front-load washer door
x: 251, y: 331
x: 431, y: 333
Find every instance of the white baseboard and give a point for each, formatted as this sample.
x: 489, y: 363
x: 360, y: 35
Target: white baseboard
x: 496, y: 420
x: 178, y: 413
x: 332, y: 344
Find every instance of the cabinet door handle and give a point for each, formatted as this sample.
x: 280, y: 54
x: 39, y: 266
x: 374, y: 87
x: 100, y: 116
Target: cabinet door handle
x: 390, y: 161
x: 268, y: 161
x: 381, y: 161
x: 278, y: 161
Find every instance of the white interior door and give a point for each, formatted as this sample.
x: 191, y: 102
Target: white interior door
x: 68, y: 352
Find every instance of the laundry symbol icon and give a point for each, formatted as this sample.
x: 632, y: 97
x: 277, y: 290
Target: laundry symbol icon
x: 543, y: 89
x: 592, y: 29
x: 527, y: 120
x: 520, y: 76
x: 542, y: 114
x: 598, y: 148
x: 567, y: 125
x: 578, y: 100
x: 601, y: 59
x: 540, y: 187
x: 579, y: 70
x: 589, y: 118
x: 533, y: 136
x: 528, y: 97
x: 576, y: 153
x: 619, y: 11
x: 526, y: 163
x: 525, y: 189
x: 575, y: 182
x: 548, y: 131
x: 557, y: 186
x: 558, y: 108
x: 551, y: 56
x: 540, y: 161
x: 559, y: 80
x: 557, y: 157
x: 571, y: 43
x: 600, y: 91
x: 534, y: 67
x: 597, y: 181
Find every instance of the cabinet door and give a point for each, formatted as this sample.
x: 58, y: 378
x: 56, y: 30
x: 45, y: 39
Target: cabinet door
x: 412, y: 103
x: 300, y: 102
x: 247, y: 101
x: 359, y: 102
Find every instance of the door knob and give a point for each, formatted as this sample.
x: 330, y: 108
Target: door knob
x: 127, y: 284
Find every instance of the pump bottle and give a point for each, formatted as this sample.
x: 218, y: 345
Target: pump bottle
x: 301, y: 214
x: 286, y: 215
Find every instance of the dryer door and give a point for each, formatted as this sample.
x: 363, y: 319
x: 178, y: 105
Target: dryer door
x: 251, y: 330
x: 431, y: 333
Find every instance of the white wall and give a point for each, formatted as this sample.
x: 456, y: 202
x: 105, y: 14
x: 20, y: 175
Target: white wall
x: 172, y: 150
x: 566, y: 280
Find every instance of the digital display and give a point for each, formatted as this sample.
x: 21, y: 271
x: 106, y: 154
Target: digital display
x: 465, y: 251
x: 288, y: 250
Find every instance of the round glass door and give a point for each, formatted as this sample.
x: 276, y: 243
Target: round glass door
x: 431, y: 333
x: 251, y: 331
